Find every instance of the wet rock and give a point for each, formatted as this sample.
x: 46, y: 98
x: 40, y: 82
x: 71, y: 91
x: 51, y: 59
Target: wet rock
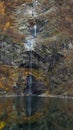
x: 35, y: 86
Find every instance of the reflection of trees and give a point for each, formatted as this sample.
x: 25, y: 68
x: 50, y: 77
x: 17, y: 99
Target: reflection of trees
x: 46, y: 114
x: 58, y: 116
x: 19, y: 106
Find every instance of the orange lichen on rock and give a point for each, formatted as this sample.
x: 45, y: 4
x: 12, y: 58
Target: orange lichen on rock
x: 6, y: 26
x: 2, y: 8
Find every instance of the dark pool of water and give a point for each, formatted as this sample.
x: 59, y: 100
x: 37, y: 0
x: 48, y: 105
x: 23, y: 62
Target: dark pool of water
x: 36, y: 113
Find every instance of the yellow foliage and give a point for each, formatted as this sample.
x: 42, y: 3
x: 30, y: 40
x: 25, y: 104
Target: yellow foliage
x: 2, y: 125
x: 33, y: 118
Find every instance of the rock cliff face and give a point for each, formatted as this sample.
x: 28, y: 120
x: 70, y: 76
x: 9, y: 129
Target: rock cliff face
x: 47, y: 25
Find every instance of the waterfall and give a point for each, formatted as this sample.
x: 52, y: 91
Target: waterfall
x: 30, y: 64
x: 35, y: 28
x: 30, y: 42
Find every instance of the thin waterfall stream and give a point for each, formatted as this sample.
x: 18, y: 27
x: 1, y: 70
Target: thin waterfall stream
x: 31, y: 42
x: 35, y: 27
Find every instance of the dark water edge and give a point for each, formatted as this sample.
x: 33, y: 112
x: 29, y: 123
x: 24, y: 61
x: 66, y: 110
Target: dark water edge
x: 32, y: 113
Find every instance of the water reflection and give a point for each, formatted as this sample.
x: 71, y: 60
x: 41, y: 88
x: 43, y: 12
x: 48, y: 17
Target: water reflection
x: 32, y: 113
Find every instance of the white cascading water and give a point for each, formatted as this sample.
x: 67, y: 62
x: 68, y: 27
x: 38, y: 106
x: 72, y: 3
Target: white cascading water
x: 35, y: 28
x: 30, y: 43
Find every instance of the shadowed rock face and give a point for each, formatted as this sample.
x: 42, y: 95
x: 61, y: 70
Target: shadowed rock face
x: 37, y: 87
x: 29, y: 65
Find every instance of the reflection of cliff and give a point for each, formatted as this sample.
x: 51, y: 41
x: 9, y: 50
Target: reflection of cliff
x: 53, y: 114
x: 17, y: 109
